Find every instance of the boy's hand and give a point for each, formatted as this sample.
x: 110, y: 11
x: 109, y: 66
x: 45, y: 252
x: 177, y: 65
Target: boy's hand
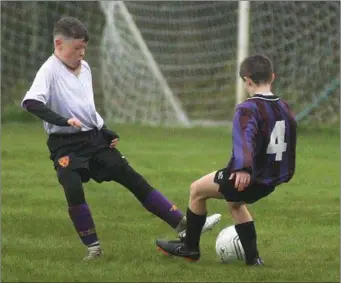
x: 114, y: 142
x: 242, y: 179
x: 111, y: 137
x: 74, y: 122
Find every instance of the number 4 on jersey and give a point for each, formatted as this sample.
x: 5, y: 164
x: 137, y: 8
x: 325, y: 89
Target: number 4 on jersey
x: 277, y: 145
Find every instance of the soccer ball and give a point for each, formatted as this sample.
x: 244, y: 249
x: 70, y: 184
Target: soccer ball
x: 228, y: 246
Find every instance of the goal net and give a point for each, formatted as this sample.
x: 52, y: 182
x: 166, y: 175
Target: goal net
x: 175, y: 62
x: 166, y: 62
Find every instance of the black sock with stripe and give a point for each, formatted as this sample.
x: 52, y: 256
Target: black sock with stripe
x: 195, y: 223
x: 248, y: 238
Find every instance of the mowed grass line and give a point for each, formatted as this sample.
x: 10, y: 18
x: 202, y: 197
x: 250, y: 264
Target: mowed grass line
x: 298, y: 225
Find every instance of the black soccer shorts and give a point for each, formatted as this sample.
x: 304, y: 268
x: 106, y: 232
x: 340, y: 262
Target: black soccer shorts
x: 251, y: 194
x: 89, y: 154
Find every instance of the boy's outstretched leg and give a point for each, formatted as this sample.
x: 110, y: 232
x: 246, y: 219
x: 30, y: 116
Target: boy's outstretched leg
x: 155, y: 202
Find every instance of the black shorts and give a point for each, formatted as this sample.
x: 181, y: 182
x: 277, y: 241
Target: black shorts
x: 251, y: 194
x: 88, y: 153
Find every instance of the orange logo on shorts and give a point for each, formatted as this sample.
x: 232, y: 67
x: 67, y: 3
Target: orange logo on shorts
x: 64, y: 161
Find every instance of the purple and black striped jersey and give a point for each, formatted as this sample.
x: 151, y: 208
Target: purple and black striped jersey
x: 264, y: 140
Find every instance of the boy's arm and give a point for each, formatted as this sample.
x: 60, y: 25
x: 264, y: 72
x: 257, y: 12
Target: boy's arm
x: 38, y: 96
x: 108, y: 134
x: 245, y: 128
x: 39, y: 109
x: 111, y: 136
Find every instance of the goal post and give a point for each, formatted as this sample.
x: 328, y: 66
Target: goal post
x: 243, y: 45
x: 151, y: 64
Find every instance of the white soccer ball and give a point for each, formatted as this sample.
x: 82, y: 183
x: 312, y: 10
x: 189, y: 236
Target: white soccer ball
x: 228, y: 246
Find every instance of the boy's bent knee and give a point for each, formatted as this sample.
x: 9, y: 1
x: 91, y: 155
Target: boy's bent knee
x: 198, y: 192
x: 194, y: 190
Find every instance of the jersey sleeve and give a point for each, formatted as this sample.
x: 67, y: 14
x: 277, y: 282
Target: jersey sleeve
x: 39, y: 109
x: 245, y: 129
x: 40, y: 88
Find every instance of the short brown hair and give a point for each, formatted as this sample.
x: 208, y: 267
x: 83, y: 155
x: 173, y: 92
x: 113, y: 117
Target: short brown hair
x: 258, y: 68
x: 71, y: 27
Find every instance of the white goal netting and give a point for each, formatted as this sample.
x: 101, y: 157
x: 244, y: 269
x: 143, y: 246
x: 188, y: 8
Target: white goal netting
x: 175, y: 61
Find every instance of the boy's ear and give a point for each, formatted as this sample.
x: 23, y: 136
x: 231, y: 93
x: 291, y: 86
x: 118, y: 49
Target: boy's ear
x: 248, y: 81
x: 273, y: 77
x: 58, y: 42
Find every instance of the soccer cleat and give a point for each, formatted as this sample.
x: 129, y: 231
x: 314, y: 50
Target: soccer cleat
x: 257, y: 262
x: 211, y: 221
x: 177, y: 248
x: 93, y: 253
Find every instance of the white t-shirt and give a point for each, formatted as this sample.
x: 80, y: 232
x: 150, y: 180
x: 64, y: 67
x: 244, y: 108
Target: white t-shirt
x: 66, y: 94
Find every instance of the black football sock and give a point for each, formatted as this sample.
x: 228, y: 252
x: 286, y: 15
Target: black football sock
x: 248, y: 238
x: 195, y: 223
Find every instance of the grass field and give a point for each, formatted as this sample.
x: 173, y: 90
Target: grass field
x: 298, y: 225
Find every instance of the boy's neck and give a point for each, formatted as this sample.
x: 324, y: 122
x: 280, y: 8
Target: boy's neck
x: 63, y: 61
x: 56, y: 53
x: 263, y: 89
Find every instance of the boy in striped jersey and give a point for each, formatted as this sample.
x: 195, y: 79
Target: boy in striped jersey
x: 263, y: 157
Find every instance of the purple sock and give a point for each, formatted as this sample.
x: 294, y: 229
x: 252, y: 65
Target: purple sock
x: 160, y: 206
x: 83, y: 222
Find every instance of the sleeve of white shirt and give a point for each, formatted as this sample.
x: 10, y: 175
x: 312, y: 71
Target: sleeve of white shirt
x: 40, y: 88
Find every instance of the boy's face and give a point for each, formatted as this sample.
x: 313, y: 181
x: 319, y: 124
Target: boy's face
x: 71, y: 50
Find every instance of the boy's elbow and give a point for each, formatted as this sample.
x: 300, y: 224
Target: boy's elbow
x: 24, y: 105
x: 31, y: 104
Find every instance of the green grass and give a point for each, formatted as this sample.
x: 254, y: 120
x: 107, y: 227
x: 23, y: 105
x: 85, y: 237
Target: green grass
x: 298, y: 225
